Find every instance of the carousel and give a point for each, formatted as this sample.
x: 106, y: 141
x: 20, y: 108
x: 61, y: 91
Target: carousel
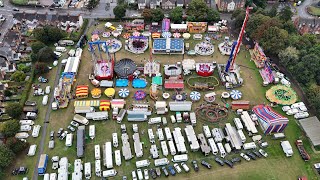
x: 113, y: 45
x: 125, y: 67
x: 137, y: 44
x: 281, y: 94
x: 204, y: 48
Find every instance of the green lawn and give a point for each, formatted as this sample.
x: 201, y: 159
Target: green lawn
x: 20, y: 2
x: 314, y: 10
x: 276, y: 166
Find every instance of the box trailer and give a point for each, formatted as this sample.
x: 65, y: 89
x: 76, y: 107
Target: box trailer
x: 161, y: 162
x: 117, y: 157
x: 250, y: 145
x: 155, y: 120
x: 80, y: 119
x: 36, y: 131
x: 172, y: 148
x: 97, y: 116
x: 238, y: 123
x: 221, y: 150
x: 32, y: 150
x: 168, y: 133
x: 42, y: 165
x: 98, y: 167
x: 180, y: 158
x: 154, y: 151
x: 286, y: 147
x: 206, y: 131
x: 108, y: 162
x: 109, y: 173
x: 69, y: 138
x: 213, y: 146
x: 26, y: 122
x: 115, y: 142
x: 87, y: 170
x: 97, y: 154
x: 83, y: 109
x: 242, y: 136
x: 151, y: 136
x: 164, y: 148
x: 121, y: 115
x: 193, y: 118
x: 92, y: 131
x: 25, y: 128
x: 142, y: 163
x: 160, y: 134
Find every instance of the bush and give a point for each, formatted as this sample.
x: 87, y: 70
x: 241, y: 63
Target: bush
x: 14, y: 110
x: 18, y: 76
x: 6, y: 156
x: 24, y: 68
x: 7, y: 93
x: 16, y: 145
x: 41, y: 68
x: 10, y: 128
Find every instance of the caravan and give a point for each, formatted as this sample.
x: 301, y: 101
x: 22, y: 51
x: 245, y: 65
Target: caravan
x: 172, y: 148
x: 87, y: 170
x: 142, y: 163
x: 109, y: 173
x: 97, y: 151
x: 161, y: 162
x: 115, y: 140
x: 121, y: 115
x: 26, y: 122
x: 206, y: 131
x: 154, y: 151
x: 32, y: 150
x: 180, y: 158
x: 173, y: 119
x: 193, y: 118
x: 98, y: 168
x: 151, y: 136
x: 108, y: 162
x: 168, y: 133
x: 69, y: 138
x: 61, y: 49
x: 164, y: 148
x: 238, y: 123
x: 160, y: 134
x: 222, y: 150
x: 242, y: 136
x: 25, y: 128
x: 213, y: 146
x: 92, y: 131
x: 117, y: 157
x: 155, y: 120
x: 36, y: 131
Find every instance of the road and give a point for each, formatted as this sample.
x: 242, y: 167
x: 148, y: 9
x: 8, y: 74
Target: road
x: 302, y: 9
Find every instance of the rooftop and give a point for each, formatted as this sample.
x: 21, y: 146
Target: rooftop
x: 311, y: 126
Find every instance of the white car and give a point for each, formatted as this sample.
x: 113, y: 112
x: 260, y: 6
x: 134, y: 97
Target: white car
x: 263, y: 153
x: 185, y: 167
x: 286, y: 108
x: 146, y: 174
x: 177, y: 167
x: 244, y: 156
x: 75, y: 124
x: 292, y: 111
x: 140, y: 175
x: 301, y: 115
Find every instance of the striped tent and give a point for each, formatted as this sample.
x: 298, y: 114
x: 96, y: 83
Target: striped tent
x: 93, y: 103
x: 269, y: 120
x: 82, y: 91
x: 104, y: 105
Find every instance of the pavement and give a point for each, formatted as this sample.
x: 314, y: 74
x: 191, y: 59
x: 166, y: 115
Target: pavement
x: 302, y: 9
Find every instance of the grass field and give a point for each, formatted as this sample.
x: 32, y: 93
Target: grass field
x: 276, y: 166
x: 314, y: 10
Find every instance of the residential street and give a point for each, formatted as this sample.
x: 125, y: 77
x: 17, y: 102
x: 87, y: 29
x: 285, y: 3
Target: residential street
x: 302, y: 9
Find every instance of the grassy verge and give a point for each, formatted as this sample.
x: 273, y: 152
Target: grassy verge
x: 314, y: 10
x: 19, y: 2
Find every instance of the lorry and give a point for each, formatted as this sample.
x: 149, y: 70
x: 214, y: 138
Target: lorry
x: 96, y: 116
x: 142, y: 163
x: 83, y: 109
x: 286, y: 147
x: 303, y: 153
x: 80, y: 119
x: 180, y: 158
x: 43, y: 162
x: 30, y: 109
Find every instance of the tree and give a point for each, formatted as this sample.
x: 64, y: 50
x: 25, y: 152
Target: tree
x: 307, y: 68
x: 46, y: 55
x: 213, y: 15
x: 16, y: 145
x: 260, y: 3
x: 157, y: 15
x: 238, y: 15
x: 198, y: 9
x: 313, y: 94
x: 6, y: 156
x: 119, y: 11
x: 147, y: 15
x: 24, y: 68
x: 41, y: 68
x: 10, y: 128
x: 273, y: 11
x: 92, y: 4
x: 18, y: 76
x: 49, y: 34
x: 289, y: 56
x: 286, y: 14
x: 289, y: 26
x: 176, y: 15
x: 274, y: 40
x: 36, y: 46
x: 7, y: 93
x: 14, y: 110
x: 33, y: 57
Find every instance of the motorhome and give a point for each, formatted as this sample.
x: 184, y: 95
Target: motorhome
x: 32, y: 150
x: 96, y: 116
x: 161, y: 162
x: 83, y: 109
x: 80, y: 119
x: 115, y: 140
x: 154, y: 151
x: 206, y: 131
x: 21, y: 135
x: 180, y: 158
x: 221, y: 150
x: 160, y: 134
x: 142, y: 163
x: 97, y: 151
x: 121, y: 115
x: 69, y: 138
x: 107, y: 161
x: 117, y: 157
x: 168, y: 133
x: 25, y: 128
x: 36, y: 131
x: 173, y: 119
x: 92, y: 131
x: 192, y: 138
x: 151, y: 136
x: 172, y: 148
x: 109, y: 173
x: 213, y: 146
x: 87, y: 170
x: 164, y: 148
x: 126, y: 149
x: 217, y: 135
x: 238, y: 123
x: 98, y: 168
x: 250, y: 145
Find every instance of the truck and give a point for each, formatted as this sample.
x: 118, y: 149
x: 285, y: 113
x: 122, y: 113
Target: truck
x: 43, y: 162
x: 96, y: 116
x: 117, y: 157
x: 69, y: 138
x: 30, y: 109
x: 161, y: 162
x: 142, y: 163
x: 303, y: 153
x: 180, y: 158
x: 286, y: 147
x: 107, y: 161
x: 83, y: 109
x: 92, y: 131
x: 80, y: 119
x: 87, y: 170
x: 115, y: 142
x: 97, y: 154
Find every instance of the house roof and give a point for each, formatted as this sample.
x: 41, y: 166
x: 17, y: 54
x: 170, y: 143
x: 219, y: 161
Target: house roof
x: 180, y: 1
x: 3, y: 62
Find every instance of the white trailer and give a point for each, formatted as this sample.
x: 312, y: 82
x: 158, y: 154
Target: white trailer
x: 109, y: 173
x: 69, y: 139
x: 98, y: 168
x: 142, y: 163
x: 154, y: 151
x: 26, y: 122
x: 80, y: 119
x: 193, y: 118
x: 97, y: 154
x: 92, y: 131
x: 117, y: 157
x: 250, y: 145
x: 217, y: 135
x: 126, y: 149
x: 180, y: 158
x: 137, y: 145
x: 178, y: 117
x: 155, y: 120
x: 227, y: 147
x: 78, y: 167
x: 238, y: 123
x: 87, y: 170
x: 107, y: 161
x: 121, y: 115
x: 286, y: 147
x: 179, y: 140
x: 164, y: 148
x: 168, y: 133
x: 221, y: 150
x: 242, y: 136
x: 115, y: 141
x: 96, y: 116
x: 249, y: 124
x: 206, y: 131
x: 151, y: 136
x: 83, y: 109
x: 160, y: 134
x: 213, y: 146
x: 25, y: 128
x: 172, y: 148
x: 32, y: 150
x: 36, y: 131
x: 161, y: 162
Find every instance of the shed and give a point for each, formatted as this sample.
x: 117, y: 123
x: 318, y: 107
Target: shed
x: 311, y: 126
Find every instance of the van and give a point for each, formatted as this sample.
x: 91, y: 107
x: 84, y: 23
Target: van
x: 117, y: 157
x: 92, y: 131
x: 180, y: 158
x: 61, y: 49
x: 134, y: 175
x: 69, y: 138
x: 278, y: 136
x: 53, y: 176
x: 58, y: 54
x: 54, y: 106
x: 98, y: 168
x: 109, y: 173
x: 140, y: 175
x: 185, y: 167
x: 142, y: 163
x: 97, y: 152
x: 115, y: 140
x: 32, y: 150
x: 161, y: 162
x: 164, y: 121
x: 193, y: 118
x: 250, y: 145
x: 221, y: 150
x: 173, y: 119
x: 45, y: 100
x: 36, y: 131
x: 286, y: 147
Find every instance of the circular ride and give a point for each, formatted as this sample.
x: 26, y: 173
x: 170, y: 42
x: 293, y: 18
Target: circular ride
x: 139, y: 95
x: 179, y: 96
x: 123, y: 93
x: 281, y: 94
x: 96, y: 93
x: 225, y: 95
x: 207, y: 83
x: 195, y: 96
x: 125, y: 67
x: 165, y: 95
x: 211, y: 112
x: 235, y: 94
x: 109, y: 92
x: 113, y: 45
x: 204, y: 48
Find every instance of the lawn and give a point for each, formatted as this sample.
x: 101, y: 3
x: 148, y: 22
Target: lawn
x: 314, y: 10
x: 276, y: 166
x: 20, y: 2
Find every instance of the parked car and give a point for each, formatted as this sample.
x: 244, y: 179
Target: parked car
x: 206, y: 164
x: 251, y: 155
x: 263, y: 153
x: 158, y: 172
x: 177, y: 167
x: 59, y: 132
x: 257, y: 154
x: 244, y: 156
x: 195, y: 165
x: 235, y: 160
x: 140, y: 175
x: 146, y: 173
x: 15, y: 9
x: 72, y: 129
x: 165, y: 171
x: 229, y: 163
x: 124, y: 178
x: 185, y: 167
x: 219, y: 161
x: 153, y: 173
x: 75, y: 124
x: 171, y: 170
x: 51, y: 135
x: 63, y: 135
x: 19, y: 170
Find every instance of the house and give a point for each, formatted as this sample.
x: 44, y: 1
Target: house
x: 6, y: 66
x: 142, y: 4
x: 154, y: 4
x: 168, y: 4
x: 135, y: 25
x: 59, y: 3
x: 180, y: 3
x: 229, y: 5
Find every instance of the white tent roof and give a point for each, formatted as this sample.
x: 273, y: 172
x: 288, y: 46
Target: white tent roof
x: 108, y: 24
x: 178, y: 26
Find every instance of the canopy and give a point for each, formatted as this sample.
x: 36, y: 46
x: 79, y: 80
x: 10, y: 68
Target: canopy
x: 165, y: 95
x: 136, y: 34
x: 195, y: 96
x: 123, y: 93
x: 236, y: 94
x: 126, y: 36
x: 96, y: 92
x: 166, y: 34
x: 109, y: 92
x: 176, y: 35
x: 140, y: 95
x: 186, y: 35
